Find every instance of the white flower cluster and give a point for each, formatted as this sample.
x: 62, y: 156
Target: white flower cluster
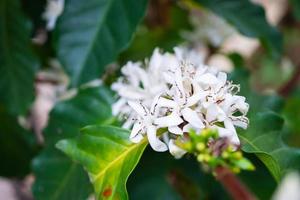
x: 175, y: 93
x: 53, y: 10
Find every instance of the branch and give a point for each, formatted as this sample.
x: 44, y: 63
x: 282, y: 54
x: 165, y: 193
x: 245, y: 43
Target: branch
x: 233, y: 185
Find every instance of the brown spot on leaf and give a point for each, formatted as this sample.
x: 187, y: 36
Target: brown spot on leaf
x: 107, y: 192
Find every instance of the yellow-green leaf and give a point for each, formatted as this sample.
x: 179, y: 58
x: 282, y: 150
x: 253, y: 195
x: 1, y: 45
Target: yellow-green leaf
x: 107, y: 155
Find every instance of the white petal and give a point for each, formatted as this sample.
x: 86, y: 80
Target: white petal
x: 215, y: 113
x: 170, y: 120
x: 144, y: 77
x: 240, y: 121
x: 163, y: 102
x: 128, y: 123
x: 229, y: 125
x: 187, y: 128
x: 154, y: 105
x: 208, y: 79
x: 117, y: 106
x: 139, y: 108
x: 178, y: 79
x: 226, y: 133
x: 175, y: 130
x: 195, y: 98
x: 137, y: 128
x: 234, y: 138
x: 132, y: 93
x: 155, y: 60
x: 155, y: 143
x: 192, y: 117
x: 240, y: 104
x: 168, y: 77
x: 175, y: 150
x: 137, y: 139
x: 130, y: 71
x: 223, y: 132
x: 222, y: 77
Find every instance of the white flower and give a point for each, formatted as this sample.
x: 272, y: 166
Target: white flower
x: 175, y: 93
x: 53, y: 10
x: 145, y: 126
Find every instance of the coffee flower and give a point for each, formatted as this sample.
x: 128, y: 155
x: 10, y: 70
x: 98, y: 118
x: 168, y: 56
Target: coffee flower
x: 171, y: 94
x: 53, y: 10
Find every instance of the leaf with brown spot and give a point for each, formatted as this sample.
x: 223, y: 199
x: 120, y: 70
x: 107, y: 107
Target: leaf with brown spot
x: 107, y: 155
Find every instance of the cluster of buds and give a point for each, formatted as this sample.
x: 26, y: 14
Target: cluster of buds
x: 213, y: 151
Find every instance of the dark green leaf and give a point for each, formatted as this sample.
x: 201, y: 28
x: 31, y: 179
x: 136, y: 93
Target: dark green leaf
x: 16, y: 151
x: 295, y: 4
x: 108, y: 156
x: 159, y: 176
x: 57, y: 177
x: 17, y: 63
x: 165, y: 37
x: 90, y: 34
x: 265, y: 132
x: 264, y: 138
x: 249, y: 19
x: 291, y: 113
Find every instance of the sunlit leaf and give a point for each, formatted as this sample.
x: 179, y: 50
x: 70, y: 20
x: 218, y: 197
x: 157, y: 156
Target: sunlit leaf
x: 108, y: 156
x: 57, y: 177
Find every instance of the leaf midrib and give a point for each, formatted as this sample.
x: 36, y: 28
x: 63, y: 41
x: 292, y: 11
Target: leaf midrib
x: 122, y: 155
x: 258, y: 150
x: 93, y: 41
x: 62, y: 183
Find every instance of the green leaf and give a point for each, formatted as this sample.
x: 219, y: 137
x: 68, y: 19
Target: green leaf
x: 292, y: 113
x: 264, y: 139
x: 108, y: 156
x: 249, y: 19
x: 57, y: 177
x: 90, y: 34
x: 295, y: 5
x: 264, y: 134
x: 159, y: 176
x: 165, y: 37
x: 16, y: 150
x: 17, y: 63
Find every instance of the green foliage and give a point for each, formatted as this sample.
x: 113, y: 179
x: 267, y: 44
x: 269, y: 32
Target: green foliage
x: 159, y: 176
x: 183, y: 178
x: 108, y: 156
x: 17, y: 63
x: 91, y: 34
x: 265, y: 132
x: 16, y: 149
x: 57, y: 177
x: 88, y: 36
x: 164, y: 37
x: 249, y: 19
x: 291, y: 114
x: 295, y: 4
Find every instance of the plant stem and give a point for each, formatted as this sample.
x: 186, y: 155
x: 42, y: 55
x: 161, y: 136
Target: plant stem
x: 233, y: 185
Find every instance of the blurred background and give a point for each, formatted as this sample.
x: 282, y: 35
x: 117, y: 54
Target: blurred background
x: 45, y: 95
